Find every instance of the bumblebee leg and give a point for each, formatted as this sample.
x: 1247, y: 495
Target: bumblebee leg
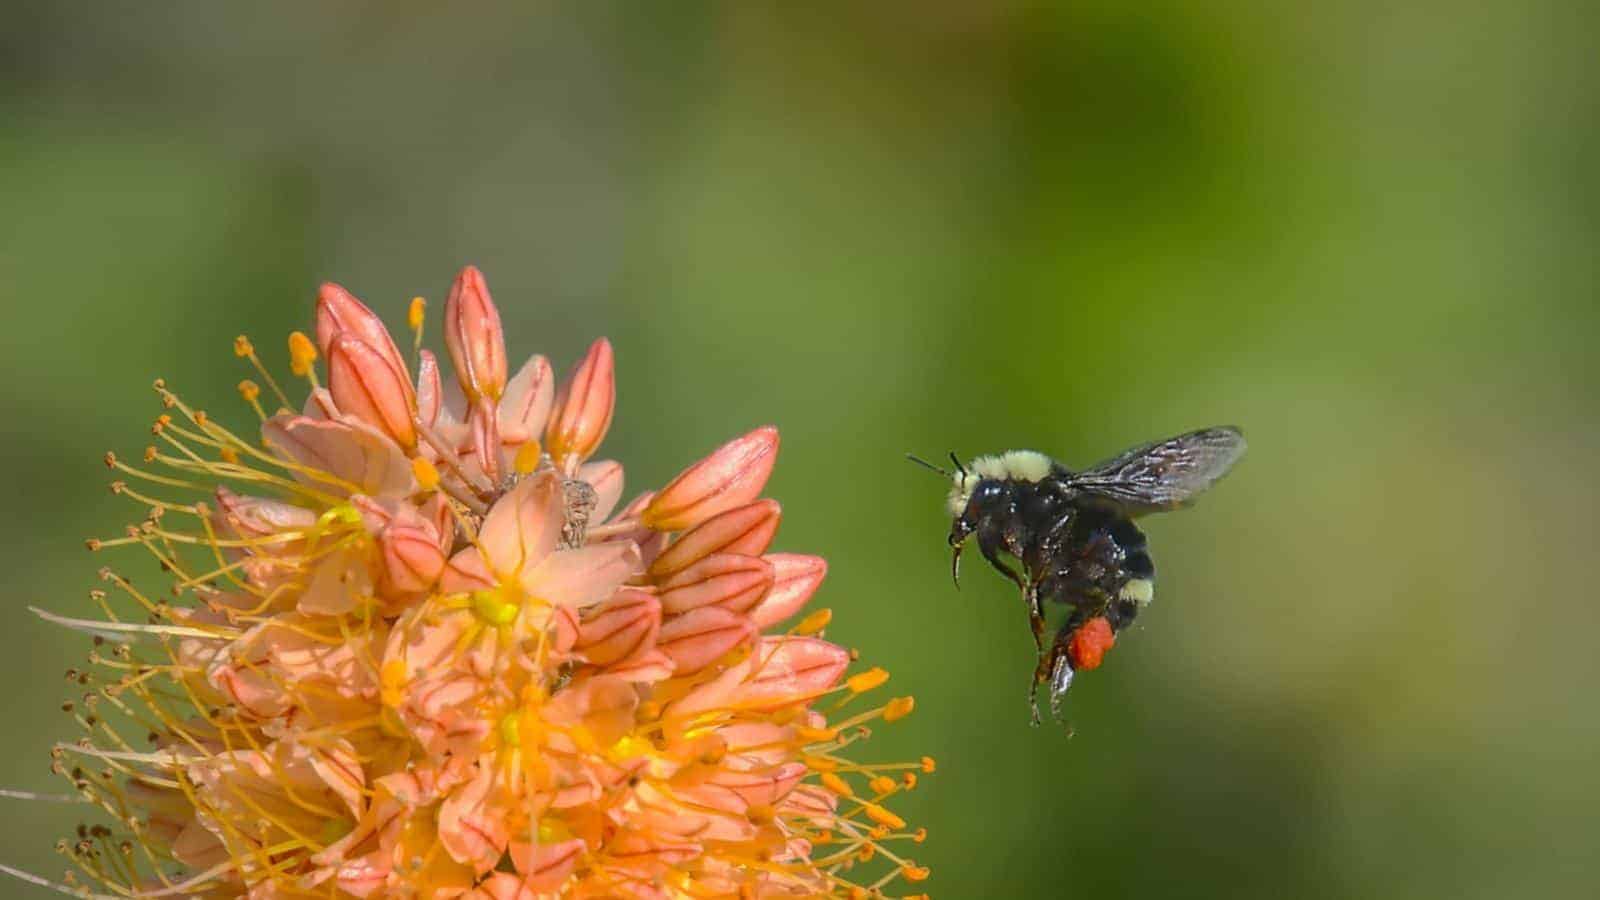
x: 1041, y: 671
x: 1060, y: 680
x: 989, y: 546
x: 1035, y: 616
x: 1054, y: 668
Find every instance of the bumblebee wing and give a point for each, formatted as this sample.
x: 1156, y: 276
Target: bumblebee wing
x: 1165, y: 474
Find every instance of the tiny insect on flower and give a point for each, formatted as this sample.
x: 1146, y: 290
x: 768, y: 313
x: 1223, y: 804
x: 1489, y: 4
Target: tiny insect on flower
x: 417, y: 646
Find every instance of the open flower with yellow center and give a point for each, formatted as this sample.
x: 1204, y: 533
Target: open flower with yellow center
x: 411, y: 648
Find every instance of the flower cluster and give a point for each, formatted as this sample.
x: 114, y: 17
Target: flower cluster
x: 417, y: 648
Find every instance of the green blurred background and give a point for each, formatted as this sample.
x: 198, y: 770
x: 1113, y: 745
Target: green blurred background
x: 1364, y: 232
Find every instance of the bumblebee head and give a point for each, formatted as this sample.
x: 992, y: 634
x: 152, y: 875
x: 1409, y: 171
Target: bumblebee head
x: 963, y: 483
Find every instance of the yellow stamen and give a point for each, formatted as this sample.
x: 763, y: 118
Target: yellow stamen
x: 392, y: 682
x: 527, y: 460
x: 836, y: 784
x: 899, y: 708
x: 865, y: 681
x: 882, y: 784
x: 819, y: 763
x: 814, y: 622
x: 914, y: 873
x: 760, y: 813
x: 510, y: 729
x: 492, y: 610
x: 553, y: 831
x: 416, y: 317
x: 302, y: 355
x: 815, y: 735
x: 244, y: 349
x: 882, y: 816
x: 928, y: 765
x: 427, y: 476
x: 344, y: 513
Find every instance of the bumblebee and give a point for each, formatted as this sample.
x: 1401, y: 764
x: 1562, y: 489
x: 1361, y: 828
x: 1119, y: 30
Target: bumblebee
x: 1073, y: 536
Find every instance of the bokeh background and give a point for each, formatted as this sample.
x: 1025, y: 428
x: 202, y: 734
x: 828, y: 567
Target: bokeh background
x: 1365, y: 232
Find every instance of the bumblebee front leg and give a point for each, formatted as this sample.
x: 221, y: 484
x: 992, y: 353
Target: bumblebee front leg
x: 991, y: 542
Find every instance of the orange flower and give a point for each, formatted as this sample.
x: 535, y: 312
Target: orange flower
x: 417, y: 653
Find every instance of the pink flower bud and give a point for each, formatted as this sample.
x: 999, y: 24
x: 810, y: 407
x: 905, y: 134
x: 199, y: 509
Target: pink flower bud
x: 473, y: 335
x: 619, y: 628
x: 606, y: 479
x: 483, y: 423
x: 541, y: 868
x: 339, y: 312
x: 525, y: 408
x: 249, y: 517
x: 730, y: 476
x: 644, y: 668
x: 583, y: 407
x: 745, y: 529
x: 779, y: 670
x: 505, y: 886
x: 470, y: 829
x: 766, y: 785
x: 319, y: 404
x: 412, y: 559
x: 366, y: 386
x: 430, y: 392
x: 700, y: 637
x: 603, y: 705
x: 729, y: 581
x: 342, y: 457
x: 795, y: 578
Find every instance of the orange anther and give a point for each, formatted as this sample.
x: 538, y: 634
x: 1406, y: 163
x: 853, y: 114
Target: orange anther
x: 815, y: 735
x: 427, y: 476
x: 819, y: 763
x: 527, y: 459
x: 866, y: 681
x: 814, y: 622
x: 302, y: 353
x: 882, y: 816
x: 899, y: 708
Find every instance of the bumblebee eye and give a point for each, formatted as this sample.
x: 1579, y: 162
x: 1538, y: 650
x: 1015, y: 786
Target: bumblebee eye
x: 988, y: 492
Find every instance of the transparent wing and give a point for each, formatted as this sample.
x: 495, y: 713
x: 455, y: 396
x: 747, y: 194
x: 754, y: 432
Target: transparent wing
x: 1166, y: 474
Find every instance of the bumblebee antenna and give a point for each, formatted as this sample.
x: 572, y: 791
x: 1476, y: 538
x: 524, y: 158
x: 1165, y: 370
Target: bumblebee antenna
x: 926, y: 465
x: 957, y: 462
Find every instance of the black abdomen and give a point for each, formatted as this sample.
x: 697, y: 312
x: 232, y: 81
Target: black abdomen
x: 1099, y: 564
